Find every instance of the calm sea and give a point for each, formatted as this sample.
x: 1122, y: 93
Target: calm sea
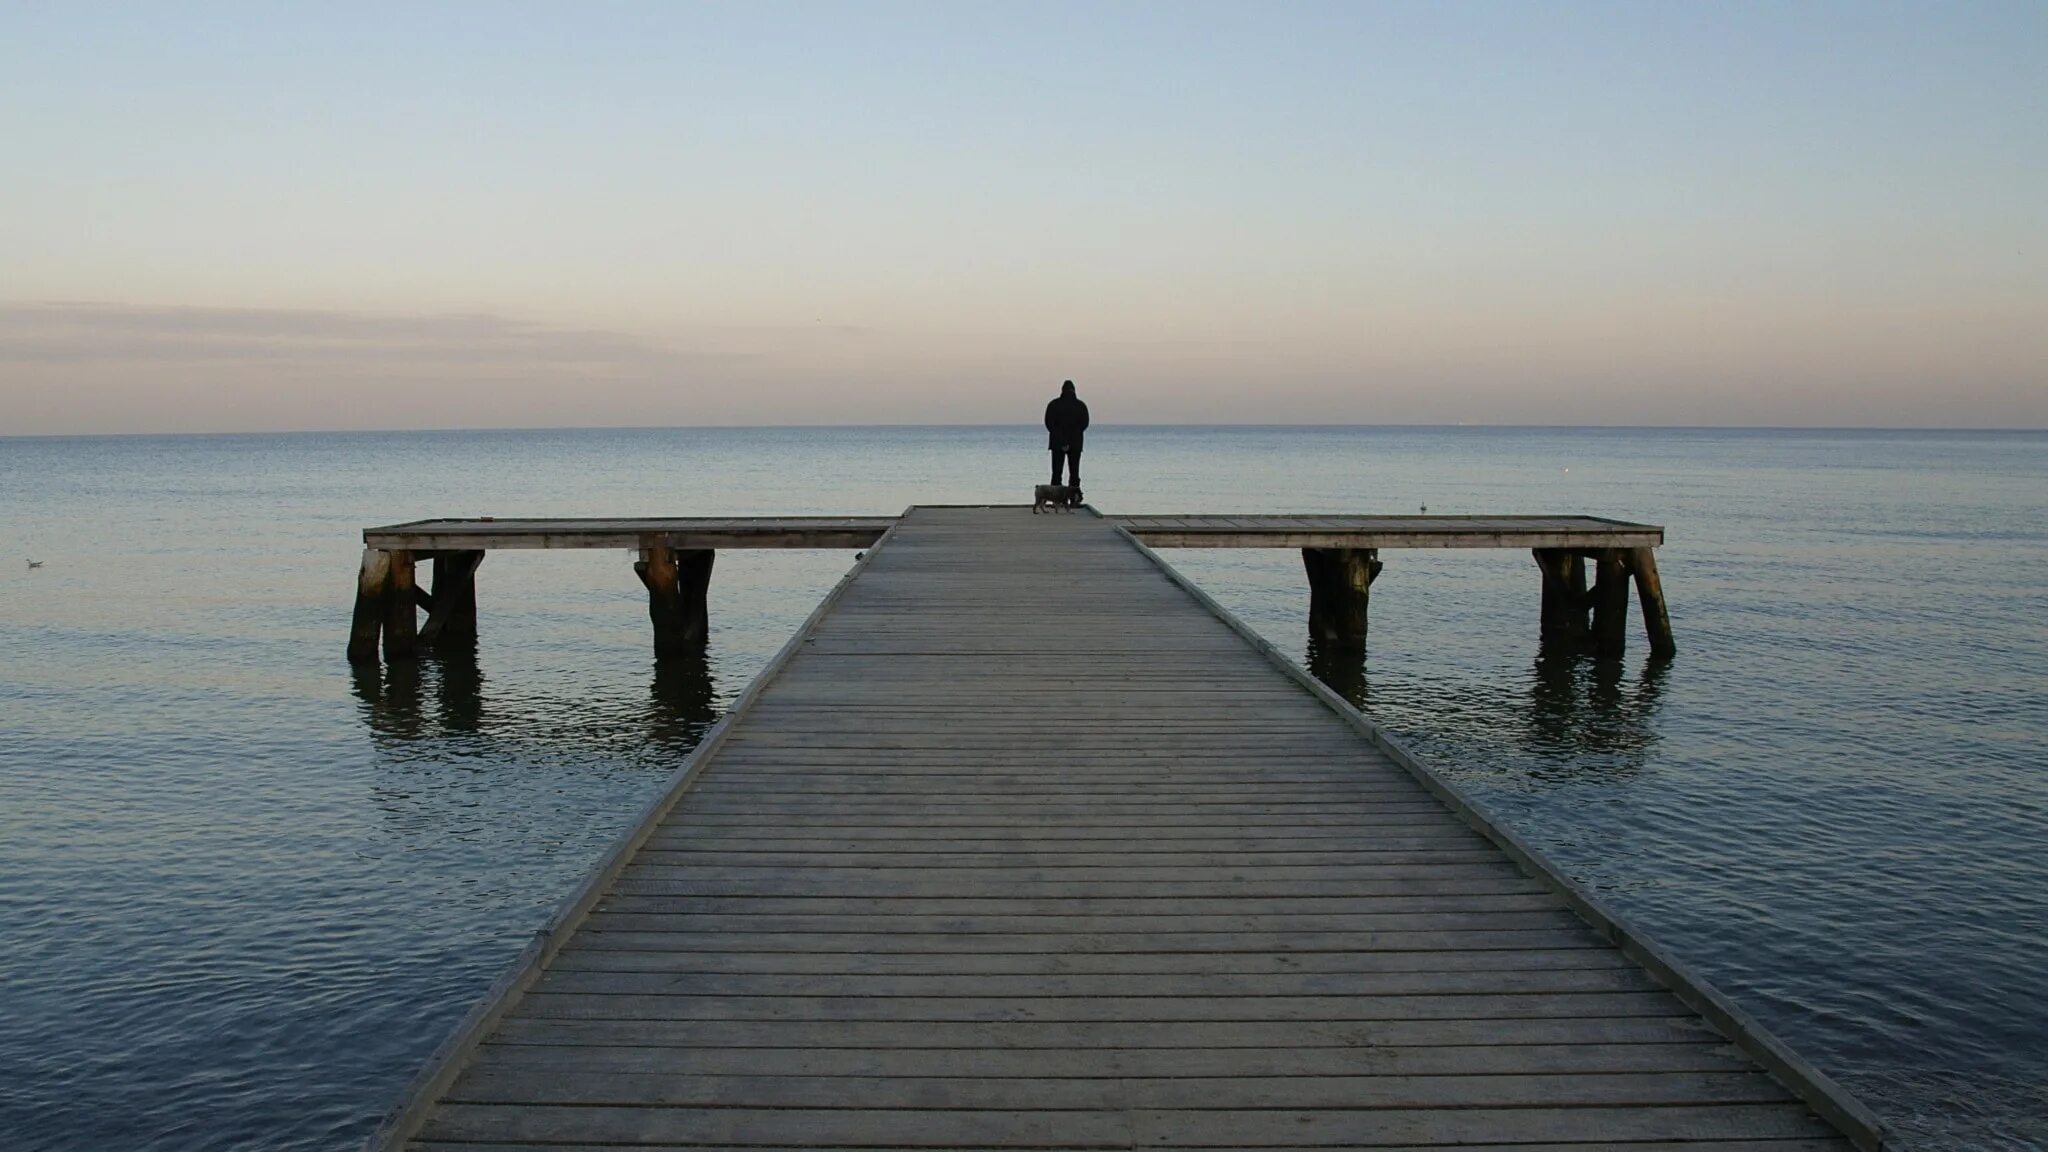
x: 244, y: 892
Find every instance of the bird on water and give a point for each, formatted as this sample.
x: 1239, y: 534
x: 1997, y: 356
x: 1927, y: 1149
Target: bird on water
x: 35, y: 563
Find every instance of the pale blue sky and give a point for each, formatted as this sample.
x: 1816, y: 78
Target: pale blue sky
x: 350, y: 215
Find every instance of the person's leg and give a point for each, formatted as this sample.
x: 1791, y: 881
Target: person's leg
x: 1074, y: 466
x: 1056, y: 458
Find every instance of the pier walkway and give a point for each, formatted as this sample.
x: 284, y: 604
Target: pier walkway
x: 1021, y: 843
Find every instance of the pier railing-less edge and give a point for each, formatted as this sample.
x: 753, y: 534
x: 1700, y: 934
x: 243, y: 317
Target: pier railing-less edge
x: 453, y: 1053
x: 1340, y: 555
x: 1818, y: 1091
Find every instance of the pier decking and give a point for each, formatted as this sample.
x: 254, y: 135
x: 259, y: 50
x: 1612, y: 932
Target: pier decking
x: 1340, y: 554
x: 1269, y: 531
x: 1022, y: 843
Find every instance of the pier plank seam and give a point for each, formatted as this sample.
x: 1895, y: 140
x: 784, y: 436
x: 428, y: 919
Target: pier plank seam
x: 1517, y: 982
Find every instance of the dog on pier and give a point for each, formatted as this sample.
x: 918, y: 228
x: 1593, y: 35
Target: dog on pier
x: 1055, y: 498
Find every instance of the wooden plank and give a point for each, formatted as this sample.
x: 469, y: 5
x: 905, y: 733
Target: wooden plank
x: 1819, y: 1144
x: 993, y: 901
x: 545, y: 1005
x: 1290, y: 1035
x: 1117, y: 985
x: 1148, y: 925
x: 1340, y: 1127
x: 1273, y: 531
x: 884, y: 1088
x: 1019, y: 876
x: 935, y: 1127
x: 1508, y: 1060
x: 835, y: 532
x: 1215, y: 943
x: 922, y: 884
x: 580, y: 958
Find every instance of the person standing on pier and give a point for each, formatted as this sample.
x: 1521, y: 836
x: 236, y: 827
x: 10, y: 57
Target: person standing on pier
x: 1066, y: 418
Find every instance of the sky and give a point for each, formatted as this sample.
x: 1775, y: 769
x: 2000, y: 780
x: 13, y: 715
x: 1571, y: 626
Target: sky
x: 439, y: 215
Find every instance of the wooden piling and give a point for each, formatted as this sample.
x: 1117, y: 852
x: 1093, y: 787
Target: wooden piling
x: 678, y: 585
x: 1610, y: 603
x: 1650, y: 592
x: 372, y: 584
x: 1563, y: 627
x: 693, y: 576
x: 451, y: 610
x: 1339, y: 593
x: 401, y: 610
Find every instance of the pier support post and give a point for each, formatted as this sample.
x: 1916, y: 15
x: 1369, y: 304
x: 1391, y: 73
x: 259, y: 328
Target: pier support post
x: 1610, y: 603
x: 1650, y: 593
x: 401, y: 609
x: 1564, y: 599
x: 1339, y: 593
x: 678, y: 584
x: 451, y: 610
x: 373, y: 582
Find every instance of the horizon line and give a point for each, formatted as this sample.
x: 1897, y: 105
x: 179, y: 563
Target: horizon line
x: 217, y: 434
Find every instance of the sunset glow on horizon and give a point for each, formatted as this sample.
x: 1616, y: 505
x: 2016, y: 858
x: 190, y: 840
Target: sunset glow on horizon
x: 223, y: 218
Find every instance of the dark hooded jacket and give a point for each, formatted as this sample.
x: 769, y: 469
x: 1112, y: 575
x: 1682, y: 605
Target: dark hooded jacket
x: 1065, y: 419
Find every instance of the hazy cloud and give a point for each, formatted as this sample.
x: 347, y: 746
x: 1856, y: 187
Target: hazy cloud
x: 89, y: 333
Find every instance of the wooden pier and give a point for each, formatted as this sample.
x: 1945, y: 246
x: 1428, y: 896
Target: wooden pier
x: 1339, y: 553
x: 1021, y: 842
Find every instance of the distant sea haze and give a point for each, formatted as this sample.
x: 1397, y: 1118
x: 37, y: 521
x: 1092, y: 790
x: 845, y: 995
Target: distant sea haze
x: 249, y: 889
x: 111, y: 367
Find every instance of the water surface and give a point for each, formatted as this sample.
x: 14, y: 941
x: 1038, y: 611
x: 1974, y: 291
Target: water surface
x: 244, y: 891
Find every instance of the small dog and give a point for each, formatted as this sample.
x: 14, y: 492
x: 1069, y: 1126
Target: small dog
x: 1054, y: 497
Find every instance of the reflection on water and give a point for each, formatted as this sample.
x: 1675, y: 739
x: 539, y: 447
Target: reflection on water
x: 1590, y: 712
x: 390, y: 698
x: 1579, y: 716
x: 444, y: 695
x: 459, y: 702
x: 682, y: 703
x: 1340, y: 668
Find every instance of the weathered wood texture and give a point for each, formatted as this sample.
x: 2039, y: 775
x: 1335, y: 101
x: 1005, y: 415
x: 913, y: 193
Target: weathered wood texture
x: 1390, y: 532
x: 678, y: 586
x: 1282, y: 531
x: 1340, y: 593
x: 451, y: 610
x: 1567, y: 602
x: 1340, y: 554
x: 401, y: 609
x: 1563, y: 626
x: 373, y: 584
x: 1026, y: 848
x: 1610, y: 603
x: 1650, y: 589
x: 683, y: 533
